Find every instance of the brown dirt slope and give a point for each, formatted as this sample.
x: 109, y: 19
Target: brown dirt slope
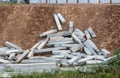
x: 22, y: 24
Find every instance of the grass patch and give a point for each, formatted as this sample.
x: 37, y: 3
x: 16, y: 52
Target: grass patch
x: 113, y: 71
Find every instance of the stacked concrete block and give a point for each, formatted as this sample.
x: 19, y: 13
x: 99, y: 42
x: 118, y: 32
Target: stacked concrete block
x: 65, y: 48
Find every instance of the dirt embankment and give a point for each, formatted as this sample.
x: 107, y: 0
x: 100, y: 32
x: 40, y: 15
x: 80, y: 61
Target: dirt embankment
x: 22, y: 24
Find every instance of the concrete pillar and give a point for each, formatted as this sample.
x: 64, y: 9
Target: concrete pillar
x: 57, y: 22
x: 61, y: 18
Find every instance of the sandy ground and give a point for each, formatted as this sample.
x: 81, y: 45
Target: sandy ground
x: 22, y: 24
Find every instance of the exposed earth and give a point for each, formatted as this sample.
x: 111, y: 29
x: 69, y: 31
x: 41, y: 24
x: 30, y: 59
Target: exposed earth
x: 22, y: 24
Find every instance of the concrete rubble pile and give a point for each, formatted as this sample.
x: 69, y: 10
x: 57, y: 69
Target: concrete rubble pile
x: 65, y: 48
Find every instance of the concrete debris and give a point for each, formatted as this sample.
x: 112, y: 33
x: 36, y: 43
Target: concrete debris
x: 74, y: 59
x: 57, y: 22
x: 106, y: 53
x: 43, y: 43
x: 60, y: 42
x: 61, y: 18
x: 7, y: 52
x: 56, y: 38
x: 11, y: 45
x: 86, y: 50
x: 46, y: 50
x: 76, y: 48
x: 63, y: 48
x: 80, y: 34
x: 48, y: 32
x: 71, y: 23
x: 22, y: 56
x: 62, y: 33
x: 12, y: 56
x: 90, y: 30
x: 93, y: 62
x: 61, y: 52
x: 87, y: 34
x: 2, y: 61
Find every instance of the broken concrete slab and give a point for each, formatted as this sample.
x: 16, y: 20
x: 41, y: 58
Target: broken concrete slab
x: 87, y: 34
x: 80, y: 33
x: 40, y: 67
x: 36, y: 45
x: 71, y: 26
x: 48, y: 32
x: 82, y: 60
x: 62, y: 39
x: 111, y: 59
x: 97, y: 57
x: 93, y: 45
x: 11, y: 45
x: 57, y: 22
x: 61, y: 42
x: 61, y: 52
x: 86, y: 43
x: 86, y: 50
x: 2, y: 61
x: 90, y: 30
x: 2, y: 50
x: 83, y: 55
x: 69, y: 45
x: 76, y: 48
x: 57, y: 45
x: 71, y: 61
x: 61, y: 18
x: 43, y: 43
x: 76, y: 39
x: 17, y: 51
x: 12, y: 56
x: 93, y: 62
x: 22, y: 56
x: 106, y: 53
x: 5, y: 75
x: 69, y: 56
x: 56, y: 38
x: 45, y: 59
x: 42, y: 60
x: 58, y: 56
x: 31, y: 53
x: 63, y: 33
x: 48, y: 50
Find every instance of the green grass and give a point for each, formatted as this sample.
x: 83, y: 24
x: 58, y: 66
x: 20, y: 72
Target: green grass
x: 113, y: 71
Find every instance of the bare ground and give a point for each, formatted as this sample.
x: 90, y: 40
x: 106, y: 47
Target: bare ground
x: 22, y: 24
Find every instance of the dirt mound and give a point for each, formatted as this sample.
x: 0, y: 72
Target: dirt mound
x: 22, y: 24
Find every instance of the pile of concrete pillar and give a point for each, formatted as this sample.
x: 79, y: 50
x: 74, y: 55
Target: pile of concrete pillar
x: 65, y: 48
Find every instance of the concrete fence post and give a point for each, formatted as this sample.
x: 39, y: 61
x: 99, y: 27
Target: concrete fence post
x: 18, y: 1
x: 99, y: 1
x: 47, y: 1
x: 66, y: 1
x: 56, y: 1
x: 88, y: 1
x: 77, y: 1
x: 110, y: 1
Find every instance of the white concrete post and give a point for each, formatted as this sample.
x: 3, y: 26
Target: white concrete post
x: 61, y: 18
x: 57, y: 22
x: 11, y: 45
x: 71, y: 26
x: 48, y: 32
